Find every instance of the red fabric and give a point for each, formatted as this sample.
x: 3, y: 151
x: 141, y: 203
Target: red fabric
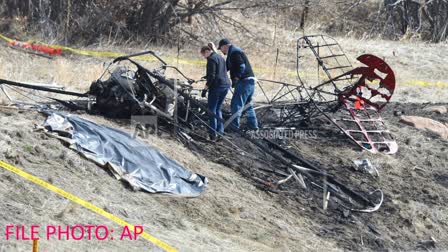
x: 36, y: 47
x: 46, y: 49
x: 20, y: 44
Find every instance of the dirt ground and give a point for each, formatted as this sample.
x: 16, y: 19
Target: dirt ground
x: 231, y: 216
x: 234, y: 214
x: 414, y: 182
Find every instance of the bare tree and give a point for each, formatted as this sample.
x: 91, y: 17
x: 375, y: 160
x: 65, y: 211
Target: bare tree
x: 85, y: 20
x: 429, y: 18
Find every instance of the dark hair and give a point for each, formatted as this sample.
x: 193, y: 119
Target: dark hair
x: 209, y: 47
x: 205, y: 48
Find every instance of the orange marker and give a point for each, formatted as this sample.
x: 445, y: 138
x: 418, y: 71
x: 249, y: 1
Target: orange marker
x: 35, y: 246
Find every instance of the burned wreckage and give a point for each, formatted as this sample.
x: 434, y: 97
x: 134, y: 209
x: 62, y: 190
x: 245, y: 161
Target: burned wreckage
x: 349, y: 98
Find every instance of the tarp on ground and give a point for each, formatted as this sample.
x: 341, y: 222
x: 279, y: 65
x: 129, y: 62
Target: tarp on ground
x: 127, y: 158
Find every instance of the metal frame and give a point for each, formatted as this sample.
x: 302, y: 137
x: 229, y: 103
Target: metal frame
x: 304, y: 172
x: 350, y: 96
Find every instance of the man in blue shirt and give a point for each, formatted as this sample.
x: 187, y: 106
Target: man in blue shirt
x: 243, y: 80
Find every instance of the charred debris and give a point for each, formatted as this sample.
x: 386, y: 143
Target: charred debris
x: 349, y: 98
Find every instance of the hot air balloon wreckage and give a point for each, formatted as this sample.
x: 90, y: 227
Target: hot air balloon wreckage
x: 349, y: 98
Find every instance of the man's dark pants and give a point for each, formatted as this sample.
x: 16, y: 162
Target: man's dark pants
x: 216, y: 97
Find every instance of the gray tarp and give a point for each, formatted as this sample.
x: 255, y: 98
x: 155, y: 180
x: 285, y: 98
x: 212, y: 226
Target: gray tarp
x: 126, y: 157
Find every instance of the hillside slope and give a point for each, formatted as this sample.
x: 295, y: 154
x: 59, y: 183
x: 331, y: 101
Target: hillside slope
x: 233, y: 214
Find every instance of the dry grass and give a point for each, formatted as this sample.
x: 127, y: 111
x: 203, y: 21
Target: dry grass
x: 411, y: 61
x: 217, y: 226
x: 420, y: 68
x: 232, y: 215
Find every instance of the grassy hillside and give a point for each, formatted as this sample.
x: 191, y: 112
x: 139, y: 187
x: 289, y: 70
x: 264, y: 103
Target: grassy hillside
x: 233, y: 214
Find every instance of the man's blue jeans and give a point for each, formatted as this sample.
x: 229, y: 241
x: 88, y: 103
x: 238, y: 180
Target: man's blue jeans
x: 242, y: 103
x: 216, y: 97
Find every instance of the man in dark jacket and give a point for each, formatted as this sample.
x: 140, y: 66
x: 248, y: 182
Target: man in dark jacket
x: 218, y: 85
x: 243, y: 80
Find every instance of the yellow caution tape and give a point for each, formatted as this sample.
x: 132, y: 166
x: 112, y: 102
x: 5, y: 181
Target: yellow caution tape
x: 85, y: 204
x: 5, y: 38
x: 437, y: 84
x: 110, y: 54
